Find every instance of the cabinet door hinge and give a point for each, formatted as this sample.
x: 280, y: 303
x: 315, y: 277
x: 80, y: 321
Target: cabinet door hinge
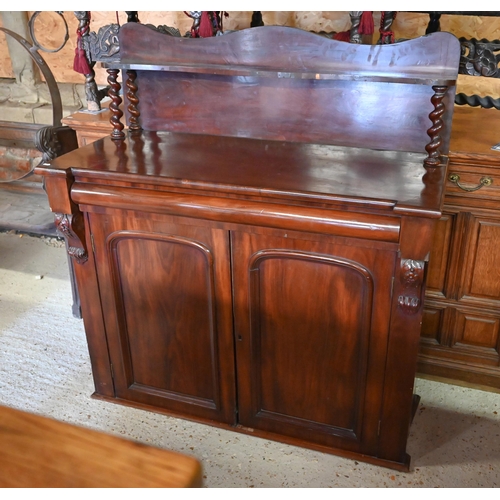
x: 112, y: 371
x: 92, y: 242
x: 378, y: 428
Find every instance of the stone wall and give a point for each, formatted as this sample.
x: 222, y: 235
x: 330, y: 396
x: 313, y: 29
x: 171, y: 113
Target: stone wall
x: 16, y: 162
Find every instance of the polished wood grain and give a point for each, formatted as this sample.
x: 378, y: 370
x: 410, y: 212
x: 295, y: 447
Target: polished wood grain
x: 475, y: 131
x: 40, y: 452
x: 170, y: 332
x: 294, y: 173
x: 322, y: 111
x: 283, y: 49
x: 312, y: 325
x: 307, y: 96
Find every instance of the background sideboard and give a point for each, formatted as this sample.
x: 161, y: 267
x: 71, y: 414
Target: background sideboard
x: 460, y: 332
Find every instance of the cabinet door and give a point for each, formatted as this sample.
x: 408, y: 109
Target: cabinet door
x: 438, y: 274
x: 311, y: 325
x: 461, y: 326
x: 476, y: 329
x: 166, y: 298
x: 481, y: 276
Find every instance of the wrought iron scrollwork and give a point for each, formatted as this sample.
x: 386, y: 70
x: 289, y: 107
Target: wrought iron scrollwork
x: 46, y: 139
x: 36, y: 43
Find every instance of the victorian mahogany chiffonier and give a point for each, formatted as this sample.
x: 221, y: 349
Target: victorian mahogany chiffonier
x: 252, y: 252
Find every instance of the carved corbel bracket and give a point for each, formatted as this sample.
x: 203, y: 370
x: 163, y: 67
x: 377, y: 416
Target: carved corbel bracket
x: 412, y: 278
x: 72, y: 228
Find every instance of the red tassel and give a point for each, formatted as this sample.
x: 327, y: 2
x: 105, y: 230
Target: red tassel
x: 366, y: 24
x: 206, y: 28
x: 80, y: 63
x: 342, y: 36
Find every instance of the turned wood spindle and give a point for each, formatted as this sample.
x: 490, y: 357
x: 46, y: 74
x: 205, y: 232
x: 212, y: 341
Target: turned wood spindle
x: 433, y: 159
x: 116, y: 100
x: 133, y: 100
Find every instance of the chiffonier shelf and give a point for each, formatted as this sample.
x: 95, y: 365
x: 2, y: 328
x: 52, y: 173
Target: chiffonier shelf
x: 251, y: 252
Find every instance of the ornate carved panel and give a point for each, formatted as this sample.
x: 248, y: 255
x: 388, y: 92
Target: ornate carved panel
x: 480, y: 57
x: 104, y: 44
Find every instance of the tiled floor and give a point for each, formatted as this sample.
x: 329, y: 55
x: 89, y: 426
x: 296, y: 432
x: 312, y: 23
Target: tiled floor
x: 44, y: 368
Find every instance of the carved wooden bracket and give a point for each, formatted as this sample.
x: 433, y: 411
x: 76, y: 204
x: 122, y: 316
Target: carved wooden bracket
x: 412, y: 278
x: 71, y: 227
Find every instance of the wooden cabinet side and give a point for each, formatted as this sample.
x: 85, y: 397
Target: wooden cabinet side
x: 73, y: 226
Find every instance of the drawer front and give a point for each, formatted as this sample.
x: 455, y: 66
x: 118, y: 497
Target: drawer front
x: 473, y: 182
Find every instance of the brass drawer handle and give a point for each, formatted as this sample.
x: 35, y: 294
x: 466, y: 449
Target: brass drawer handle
x: 484, y: 181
